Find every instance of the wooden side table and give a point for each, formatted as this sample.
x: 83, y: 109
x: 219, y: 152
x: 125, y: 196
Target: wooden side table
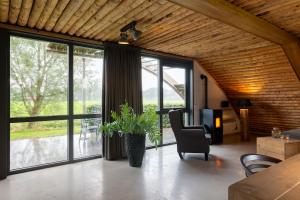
x: 277, y: 148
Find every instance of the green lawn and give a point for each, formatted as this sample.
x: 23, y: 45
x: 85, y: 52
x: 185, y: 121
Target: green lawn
x: 36, y: 133
x: 44, y: 129
x: 17, y: 108
x: 41, y: 130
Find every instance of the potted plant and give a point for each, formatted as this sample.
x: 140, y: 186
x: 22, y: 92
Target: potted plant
x: 135, y: 128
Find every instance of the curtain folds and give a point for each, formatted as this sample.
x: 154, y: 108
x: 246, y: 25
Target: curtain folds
x: 122, y: 82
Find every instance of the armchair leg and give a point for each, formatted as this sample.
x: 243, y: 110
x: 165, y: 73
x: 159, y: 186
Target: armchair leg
x: 180, y: 155
x: 206, y: 156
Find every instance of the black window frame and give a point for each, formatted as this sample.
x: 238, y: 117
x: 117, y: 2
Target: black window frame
x: 69, y: 117
x: 174, y: 62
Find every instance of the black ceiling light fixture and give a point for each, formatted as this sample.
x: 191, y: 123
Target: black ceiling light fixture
x: 131, y: 29
x: 123, y: 38
x: 135, y: 34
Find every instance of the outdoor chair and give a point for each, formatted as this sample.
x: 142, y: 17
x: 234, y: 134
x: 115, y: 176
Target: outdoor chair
x: 89, y: 126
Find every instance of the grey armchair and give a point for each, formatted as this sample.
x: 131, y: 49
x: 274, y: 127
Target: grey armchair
x: 189, y: 139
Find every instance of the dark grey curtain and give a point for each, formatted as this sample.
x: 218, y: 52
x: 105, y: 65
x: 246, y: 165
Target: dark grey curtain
x: 4, y: 102
x: 122, y: 82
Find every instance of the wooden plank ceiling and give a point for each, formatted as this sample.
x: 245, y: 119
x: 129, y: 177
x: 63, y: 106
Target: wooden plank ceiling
x: 239, y: 61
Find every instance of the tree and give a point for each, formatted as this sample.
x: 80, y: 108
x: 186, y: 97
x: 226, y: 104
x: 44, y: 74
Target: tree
x: 87, y: 76
x: 39, y: 74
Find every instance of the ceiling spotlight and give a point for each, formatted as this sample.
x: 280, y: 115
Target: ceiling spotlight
x: 131, y: 29
x: 135, y: 34
x: 123, y: 38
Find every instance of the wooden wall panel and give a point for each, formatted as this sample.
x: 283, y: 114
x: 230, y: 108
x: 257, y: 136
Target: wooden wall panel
x: 265, y: 76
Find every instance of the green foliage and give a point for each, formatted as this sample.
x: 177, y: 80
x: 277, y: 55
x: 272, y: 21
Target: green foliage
x: 94, y: 108
x: 38, y: 75
x: 129, y: 122
x: 165, y: 117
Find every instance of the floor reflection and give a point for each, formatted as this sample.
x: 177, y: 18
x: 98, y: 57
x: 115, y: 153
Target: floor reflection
x: 38, y: 151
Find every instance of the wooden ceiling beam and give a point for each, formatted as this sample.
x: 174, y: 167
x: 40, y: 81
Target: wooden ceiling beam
x: 292, y: 51
x: 230, y: 14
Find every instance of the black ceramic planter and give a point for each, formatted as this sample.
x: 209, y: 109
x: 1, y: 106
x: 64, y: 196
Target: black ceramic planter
x: 135, y: 146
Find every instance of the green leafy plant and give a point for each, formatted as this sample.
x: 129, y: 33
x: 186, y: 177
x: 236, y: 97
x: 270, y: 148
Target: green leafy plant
x: 128, y: 122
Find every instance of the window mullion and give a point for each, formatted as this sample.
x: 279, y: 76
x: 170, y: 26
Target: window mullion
x: 70, y: 104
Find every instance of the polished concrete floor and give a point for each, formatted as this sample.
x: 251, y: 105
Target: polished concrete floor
x: 163, y: 176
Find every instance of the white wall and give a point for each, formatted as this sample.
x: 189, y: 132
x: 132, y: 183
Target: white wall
x: 215, y: 96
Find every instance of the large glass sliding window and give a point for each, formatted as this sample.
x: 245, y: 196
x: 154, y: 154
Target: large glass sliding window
x: 174, y: 96
x: 168, y: 84
x: 55, y: 102
x: 38, y: 87
x: 88, y: 68
x: 150, y: 85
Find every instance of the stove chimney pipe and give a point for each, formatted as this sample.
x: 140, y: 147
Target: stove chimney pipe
x: 204, y: 78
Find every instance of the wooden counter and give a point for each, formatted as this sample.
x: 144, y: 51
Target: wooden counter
x: 279, y: 182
